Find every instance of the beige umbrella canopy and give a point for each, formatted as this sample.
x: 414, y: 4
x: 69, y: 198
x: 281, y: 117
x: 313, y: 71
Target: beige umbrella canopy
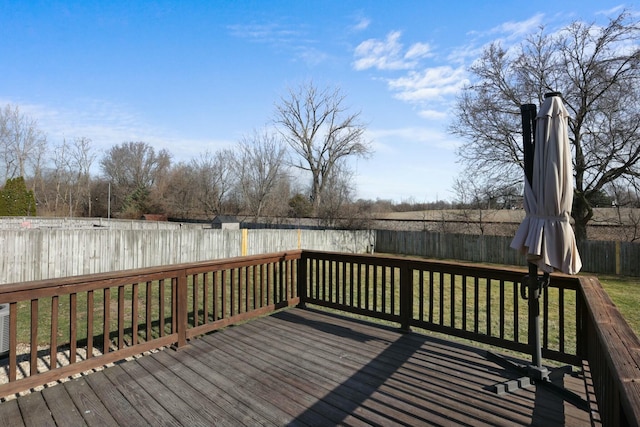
x: 545, y: 235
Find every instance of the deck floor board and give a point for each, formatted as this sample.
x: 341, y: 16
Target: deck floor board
x: 114, y: 400
x: 62, y: 408
x: 10, y: 414
x: 88, y: 403
x: 34, y: 410
x: 139, y: 399
x: 300, y: 368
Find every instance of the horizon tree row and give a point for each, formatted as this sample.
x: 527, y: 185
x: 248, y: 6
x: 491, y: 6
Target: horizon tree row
x: 298, y: 169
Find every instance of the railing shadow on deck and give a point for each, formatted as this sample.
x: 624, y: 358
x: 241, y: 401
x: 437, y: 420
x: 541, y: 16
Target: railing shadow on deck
x: 100, y: 319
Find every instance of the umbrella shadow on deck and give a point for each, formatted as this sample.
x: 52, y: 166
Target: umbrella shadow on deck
x: 555, y: 404
x: 415, y: 379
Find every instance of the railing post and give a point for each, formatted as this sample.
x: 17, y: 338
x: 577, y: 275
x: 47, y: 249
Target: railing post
x: 406, y: 298
x: 302, y: 280
x: 181, y: 308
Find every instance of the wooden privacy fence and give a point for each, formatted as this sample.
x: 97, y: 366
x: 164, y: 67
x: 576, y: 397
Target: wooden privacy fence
x: 61, y: 327
x: 26, y: 222
x: 600, y: 257
x: 38, y: 254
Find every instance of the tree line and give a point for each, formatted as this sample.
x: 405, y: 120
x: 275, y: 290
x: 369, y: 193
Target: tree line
x: 297, y: 168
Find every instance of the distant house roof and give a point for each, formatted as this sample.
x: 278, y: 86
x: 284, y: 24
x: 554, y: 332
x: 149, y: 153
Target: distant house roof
x: 223, y: 219
x: 225, y: 222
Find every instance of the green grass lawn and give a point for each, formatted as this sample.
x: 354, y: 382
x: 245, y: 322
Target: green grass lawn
x: 625, y: 294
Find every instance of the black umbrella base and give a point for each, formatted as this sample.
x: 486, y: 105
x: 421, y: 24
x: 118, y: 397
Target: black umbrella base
x: 538, y: 376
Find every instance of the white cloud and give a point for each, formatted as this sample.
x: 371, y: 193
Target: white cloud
x: 294, y: 40
x: 388, y: 54
x: 433, y: 114
x: 612, y: 11
x: 383, y: 55
x: 98, y: 120
x: 264, y: 33
x: 430, y: 84
x: 429, y: 79
x: 310, y: 55
x: 418, y: 50
x: 464, y: 54
x: 391, y: 139
x: 362, y: 24
x: 518, y: 29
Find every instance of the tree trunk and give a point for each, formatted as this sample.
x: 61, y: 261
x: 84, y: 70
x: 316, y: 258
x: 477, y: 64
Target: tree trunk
x: 582, y: 214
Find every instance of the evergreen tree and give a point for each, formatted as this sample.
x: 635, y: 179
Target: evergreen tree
x: 16, y: 200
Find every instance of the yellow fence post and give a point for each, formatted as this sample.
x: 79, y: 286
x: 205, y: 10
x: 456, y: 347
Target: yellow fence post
x: 244, y: 244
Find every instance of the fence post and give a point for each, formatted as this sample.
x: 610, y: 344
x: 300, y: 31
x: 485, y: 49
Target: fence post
x: 181, y: 308
x: 406, y: 297
x: 302, y: 280
x: 244, y: 244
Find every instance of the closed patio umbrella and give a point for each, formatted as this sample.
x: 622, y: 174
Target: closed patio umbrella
x: 545, y: 235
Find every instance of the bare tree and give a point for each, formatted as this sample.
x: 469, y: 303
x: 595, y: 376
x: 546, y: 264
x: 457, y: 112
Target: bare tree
x: 321, y: 132
x: 64, y: 184
x: 134, y: 168
x: 475, y: 198
x: 278, y: 202
x: 22, y: 144
x: 181, y: 192
x: 82, y: 157
x: 215, y: 178
x: 597, y: 69
x: 261, y: 167
x: 337, y: 195
x: 626, y: 201
x: 59, y: 181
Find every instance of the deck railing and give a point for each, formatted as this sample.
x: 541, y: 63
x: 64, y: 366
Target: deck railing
x: 484, y: 304
x: 61, y: 327
x: 473, y: 302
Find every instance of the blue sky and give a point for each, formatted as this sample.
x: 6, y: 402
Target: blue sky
x: 192, y: 76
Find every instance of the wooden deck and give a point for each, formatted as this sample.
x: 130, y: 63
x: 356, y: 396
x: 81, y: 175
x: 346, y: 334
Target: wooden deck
x: 299, y: 367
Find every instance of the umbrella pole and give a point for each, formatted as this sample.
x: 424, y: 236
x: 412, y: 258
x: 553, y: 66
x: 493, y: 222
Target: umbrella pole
x: 528, y: 113
x: 536, y: 370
